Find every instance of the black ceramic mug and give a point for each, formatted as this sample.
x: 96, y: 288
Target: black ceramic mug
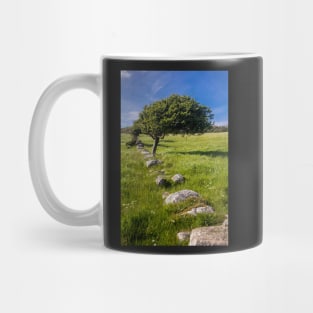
x: 182, y: 152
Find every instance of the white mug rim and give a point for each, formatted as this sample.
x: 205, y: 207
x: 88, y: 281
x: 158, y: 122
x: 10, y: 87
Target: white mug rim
x: 181, y: 57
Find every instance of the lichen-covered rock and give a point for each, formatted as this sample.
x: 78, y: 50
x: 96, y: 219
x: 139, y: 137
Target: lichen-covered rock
x: 209, y: 236
x: 178, y: 178
x: 183, y: 235
x: 145, y: 151
x: 161, y: 181
x: 152, y: 163
x: 201, y: 210
x: 165, y: 195
x: 225, y: 223
x: 181, y: 196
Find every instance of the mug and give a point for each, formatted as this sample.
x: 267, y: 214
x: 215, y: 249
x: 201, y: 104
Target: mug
x: 181, y: 152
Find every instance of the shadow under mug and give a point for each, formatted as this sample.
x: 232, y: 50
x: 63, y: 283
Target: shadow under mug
x: 181, y: 152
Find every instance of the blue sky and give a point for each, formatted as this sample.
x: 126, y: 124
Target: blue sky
x: 138, y: 88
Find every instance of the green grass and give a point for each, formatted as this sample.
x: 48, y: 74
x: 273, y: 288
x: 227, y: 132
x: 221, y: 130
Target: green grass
x: 201, y: 159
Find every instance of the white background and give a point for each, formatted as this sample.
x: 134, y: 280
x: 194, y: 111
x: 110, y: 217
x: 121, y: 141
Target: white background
x: 49, y: 267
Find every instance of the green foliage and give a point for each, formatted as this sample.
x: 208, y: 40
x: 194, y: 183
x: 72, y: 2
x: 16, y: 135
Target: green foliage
x: 126, y: 130
x: 219, y: 129
x: 201, y: 159
x: 173, y: 115
x: 135, y: 227
x: 134, y: 132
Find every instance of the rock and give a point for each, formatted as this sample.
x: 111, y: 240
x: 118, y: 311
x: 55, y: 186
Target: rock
x: 183, y: 235
x: 140, y: 146
x: 201, y: 210
x: 178, y: 178
x: 225, y: 223
x: 152, y: 163
x: 165, y: 195
x: 161, y: 181
x: 147, y: 156
x: 181, y: 196
x: 145, y: 152
x: 209, y: 236
x: 157, y: 172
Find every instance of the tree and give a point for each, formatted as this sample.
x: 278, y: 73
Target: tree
x: 134, y: 133
x: 173, y: 115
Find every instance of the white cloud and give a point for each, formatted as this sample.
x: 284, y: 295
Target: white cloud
x: 157, y: 86
x: 129, y: 117
x: 125, y: 74
x: 221, y: 123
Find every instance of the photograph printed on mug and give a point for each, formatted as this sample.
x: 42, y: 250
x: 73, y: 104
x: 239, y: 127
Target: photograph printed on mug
x: 174, y: 158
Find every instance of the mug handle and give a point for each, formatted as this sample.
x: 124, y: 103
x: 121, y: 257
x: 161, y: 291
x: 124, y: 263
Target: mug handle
x: 38, y: 172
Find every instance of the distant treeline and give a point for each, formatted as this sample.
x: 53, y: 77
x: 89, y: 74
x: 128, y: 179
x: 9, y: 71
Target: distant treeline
x: 127, y: 130
x: 218, y: 129
x: 214, y: 129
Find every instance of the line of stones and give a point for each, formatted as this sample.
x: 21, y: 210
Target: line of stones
x: 201, y: 236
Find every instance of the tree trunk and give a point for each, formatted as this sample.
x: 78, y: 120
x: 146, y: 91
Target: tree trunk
x: 155, y: 145
x: 134, y: 138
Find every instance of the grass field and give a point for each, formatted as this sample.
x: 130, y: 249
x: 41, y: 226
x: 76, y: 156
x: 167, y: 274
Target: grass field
x: 201, y: 159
